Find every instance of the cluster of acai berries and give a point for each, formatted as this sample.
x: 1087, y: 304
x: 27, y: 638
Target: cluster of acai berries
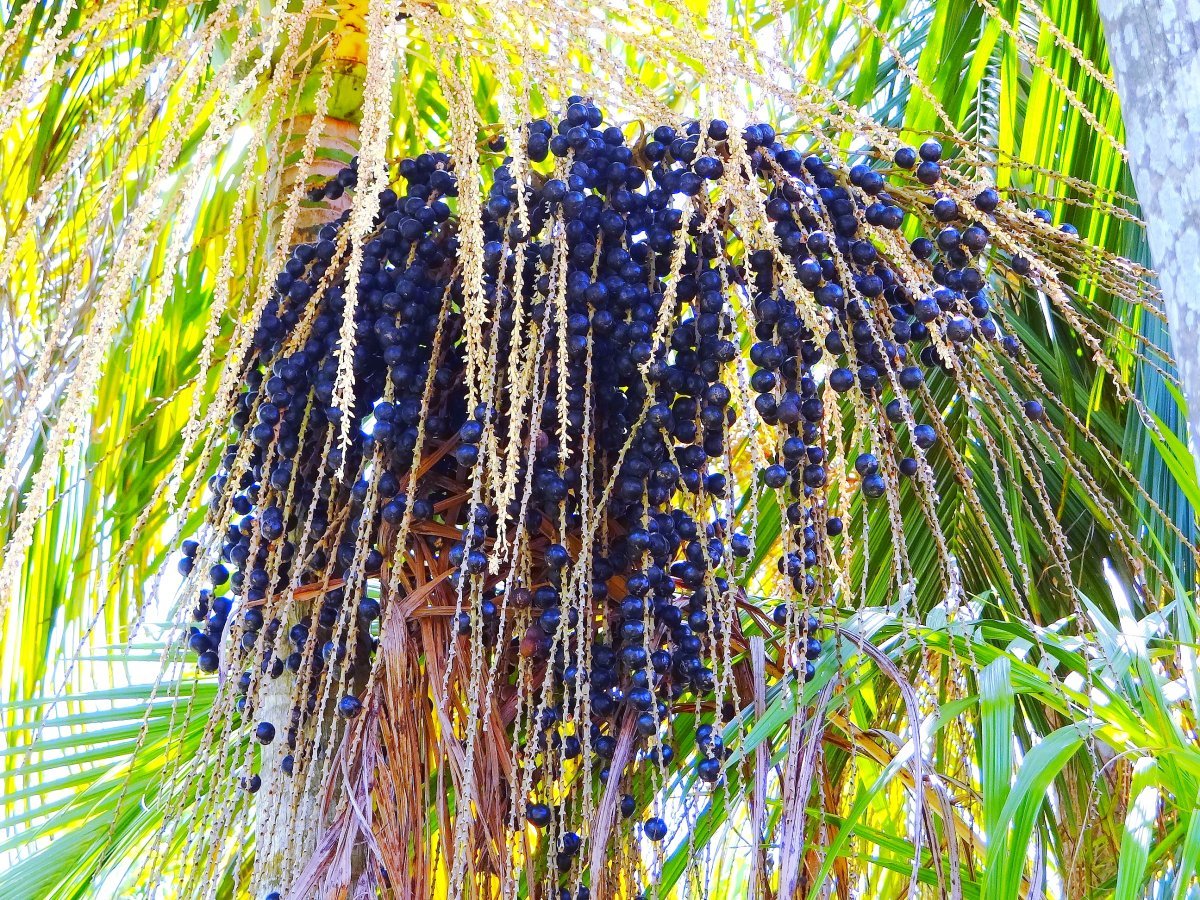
x: 642, y: 296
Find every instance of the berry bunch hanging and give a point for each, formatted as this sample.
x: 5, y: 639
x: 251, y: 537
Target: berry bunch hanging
x: 558, y: 440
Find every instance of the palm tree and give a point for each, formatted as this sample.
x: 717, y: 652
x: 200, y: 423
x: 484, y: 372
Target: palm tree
x: 1003, y: 701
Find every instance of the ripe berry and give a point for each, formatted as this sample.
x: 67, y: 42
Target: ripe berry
x: 929, y: 173
x: 987, y: 200
x: 655, y: 829
x: 874, y: 487
x: 538, y: 814
x: 959, y: 329
x: 931, y: 151
x: 841, y: 380
x: 866, y: 464
x: 556, y: 556
x: 775, y: 476
x: 910, y: 378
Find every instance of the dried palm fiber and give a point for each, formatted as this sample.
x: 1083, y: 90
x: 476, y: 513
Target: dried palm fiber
x: 453, y: 721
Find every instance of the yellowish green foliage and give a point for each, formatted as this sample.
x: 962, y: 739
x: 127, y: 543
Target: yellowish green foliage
x: 143, y: 145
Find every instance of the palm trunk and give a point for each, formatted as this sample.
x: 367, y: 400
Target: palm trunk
x: 336, y: 143
x: 1155, y: 52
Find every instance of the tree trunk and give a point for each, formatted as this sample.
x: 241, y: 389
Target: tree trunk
x: 1155, y: 52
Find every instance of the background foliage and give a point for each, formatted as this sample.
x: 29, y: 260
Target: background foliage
x: 92, y: 745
